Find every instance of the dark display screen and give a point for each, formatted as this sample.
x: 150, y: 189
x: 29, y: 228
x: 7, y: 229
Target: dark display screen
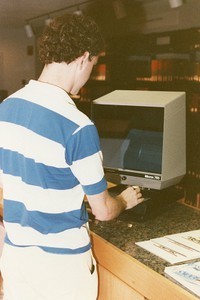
x: 131, y: 136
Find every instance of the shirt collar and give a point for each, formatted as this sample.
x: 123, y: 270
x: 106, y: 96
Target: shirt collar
x: 51, y: 89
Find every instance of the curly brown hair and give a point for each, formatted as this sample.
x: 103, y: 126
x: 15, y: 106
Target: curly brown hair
x: 67, y: 37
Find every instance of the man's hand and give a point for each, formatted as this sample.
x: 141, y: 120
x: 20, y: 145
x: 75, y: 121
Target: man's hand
x: 104, y: 207
x: 131, y: 196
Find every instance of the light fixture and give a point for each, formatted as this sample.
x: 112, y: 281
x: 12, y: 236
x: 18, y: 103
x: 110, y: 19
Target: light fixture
x: 48, y: 21
x: 29, y: 30
x: 175, y: 3
x: 78, y: 11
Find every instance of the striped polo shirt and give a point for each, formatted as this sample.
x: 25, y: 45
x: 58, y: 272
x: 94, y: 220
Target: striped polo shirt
x: 49, y: 158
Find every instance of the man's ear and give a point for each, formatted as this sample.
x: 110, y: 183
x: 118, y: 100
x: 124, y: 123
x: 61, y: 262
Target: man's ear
x: 85, y: 57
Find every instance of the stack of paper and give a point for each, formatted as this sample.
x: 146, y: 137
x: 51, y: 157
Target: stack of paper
x: 186, y: 274
x: 175, y: 248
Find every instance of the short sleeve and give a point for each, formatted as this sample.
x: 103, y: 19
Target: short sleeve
x: 84, y: 156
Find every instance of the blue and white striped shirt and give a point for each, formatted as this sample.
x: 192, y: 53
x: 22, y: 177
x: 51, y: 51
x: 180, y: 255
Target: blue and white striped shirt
x: 49, y: 158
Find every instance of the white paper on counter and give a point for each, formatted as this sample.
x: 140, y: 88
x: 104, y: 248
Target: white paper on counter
x: 190, y: 239
x: 175, y: 248
x: 186, y: 274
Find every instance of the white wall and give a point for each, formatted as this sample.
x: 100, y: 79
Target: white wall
x: 15, y: 64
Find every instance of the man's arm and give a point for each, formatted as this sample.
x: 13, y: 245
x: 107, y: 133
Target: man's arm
x: 104, y: 207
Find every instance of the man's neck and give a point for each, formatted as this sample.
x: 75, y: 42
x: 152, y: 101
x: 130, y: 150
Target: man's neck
x: 58, y: 74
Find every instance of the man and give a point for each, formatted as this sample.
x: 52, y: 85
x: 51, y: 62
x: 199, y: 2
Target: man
x: 49, y: 159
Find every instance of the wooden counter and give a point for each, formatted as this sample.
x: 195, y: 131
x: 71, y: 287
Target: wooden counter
x: 121, y: 277
x: 127, y: 271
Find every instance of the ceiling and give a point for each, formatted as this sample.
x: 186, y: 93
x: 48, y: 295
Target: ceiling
x: 109, y: 14
x: 15, y: 13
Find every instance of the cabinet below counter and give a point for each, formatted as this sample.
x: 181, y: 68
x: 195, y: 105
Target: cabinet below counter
x: 128, y: 272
